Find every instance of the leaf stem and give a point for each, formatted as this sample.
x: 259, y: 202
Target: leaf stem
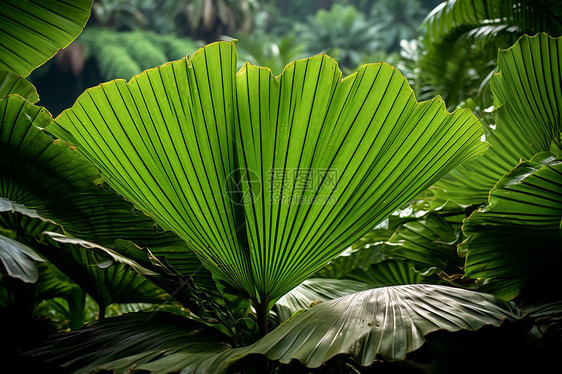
x: 261, y: 316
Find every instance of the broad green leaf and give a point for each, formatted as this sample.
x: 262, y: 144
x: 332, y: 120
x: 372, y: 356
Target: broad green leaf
x: 382, y: 323
x: 189, y: 141
x: 65, y: 298
x: 527, y: 109
x: 341, y: 266
x: 428, y: 242
x: 54, y: 183
x: 334, y: 157
x: 389, y: 272
x: 388, y: 322
x: 165, y: 141
x: 11, y: 83
x: 516, y: 242
x: 107, y: 282
x: 18, y: 260
x: 125, y: 342
x: 31, y: 32
x: 313, y: 291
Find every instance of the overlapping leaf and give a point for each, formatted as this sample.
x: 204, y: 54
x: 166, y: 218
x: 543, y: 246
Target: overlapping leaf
x: 312, y: 291
x: 59, y: 191
x: 516, y: 242
x: 383, y: 323
x: 53, y: 182
x: 31, y: 32
x: 11, y: 83
x: 188, y: 142
x: 18, y: 260
x: 528, y: 110
x: 122, y: 343
x: 105, y: 281
x: 427, y: 242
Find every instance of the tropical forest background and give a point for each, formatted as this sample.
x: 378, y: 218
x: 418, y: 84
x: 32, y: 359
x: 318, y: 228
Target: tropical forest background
x: 125, y: 37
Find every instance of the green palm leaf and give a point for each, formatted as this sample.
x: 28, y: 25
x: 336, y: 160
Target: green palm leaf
x: 528, y: 112
x: 429, y: 242
x: 11, y: 83
x: 187, y: 142
x: 342, y: 147
x: 53, y: 183
x: 123, y: 342
x: 31, y: 32
x: 516, y: 242
x: 385, y: 322
x: 463, y: 37
x: 313, y: 291
x: 472, y: 15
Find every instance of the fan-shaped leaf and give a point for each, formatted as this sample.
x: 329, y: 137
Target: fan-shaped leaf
x: 345, y: 150
x: 385, y: 322
x: 528, y: 113
x: 53, y: 182
x: 312, y: 291
x: 517, y: 240
x: 186, y: 140
x: 31, y: 32
x: 11, y: 83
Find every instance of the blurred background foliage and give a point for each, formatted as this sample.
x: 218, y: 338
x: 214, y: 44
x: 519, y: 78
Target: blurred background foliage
x: 124, y: 37
x: 444, y: 48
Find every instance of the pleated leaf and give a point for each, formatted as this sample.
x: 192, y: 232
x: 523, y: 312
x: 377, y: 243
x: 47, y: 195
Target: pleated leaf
x: 105, y: 280
x: 390, y: 272
x: 313, y: 291
x: 516, y: 242
x: 199, y: 148
x: 334, y: 157
x: 373, y: 266
x: 470, y: 15
x: 121, y: 343
x: 528, y: 112
x: 380, y: 323
x: 11, y: 83
x: 385, y: 322
x: 349, y: 261
x: 430, y: 241
x: 53, y: 182
x: 31, y: 32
